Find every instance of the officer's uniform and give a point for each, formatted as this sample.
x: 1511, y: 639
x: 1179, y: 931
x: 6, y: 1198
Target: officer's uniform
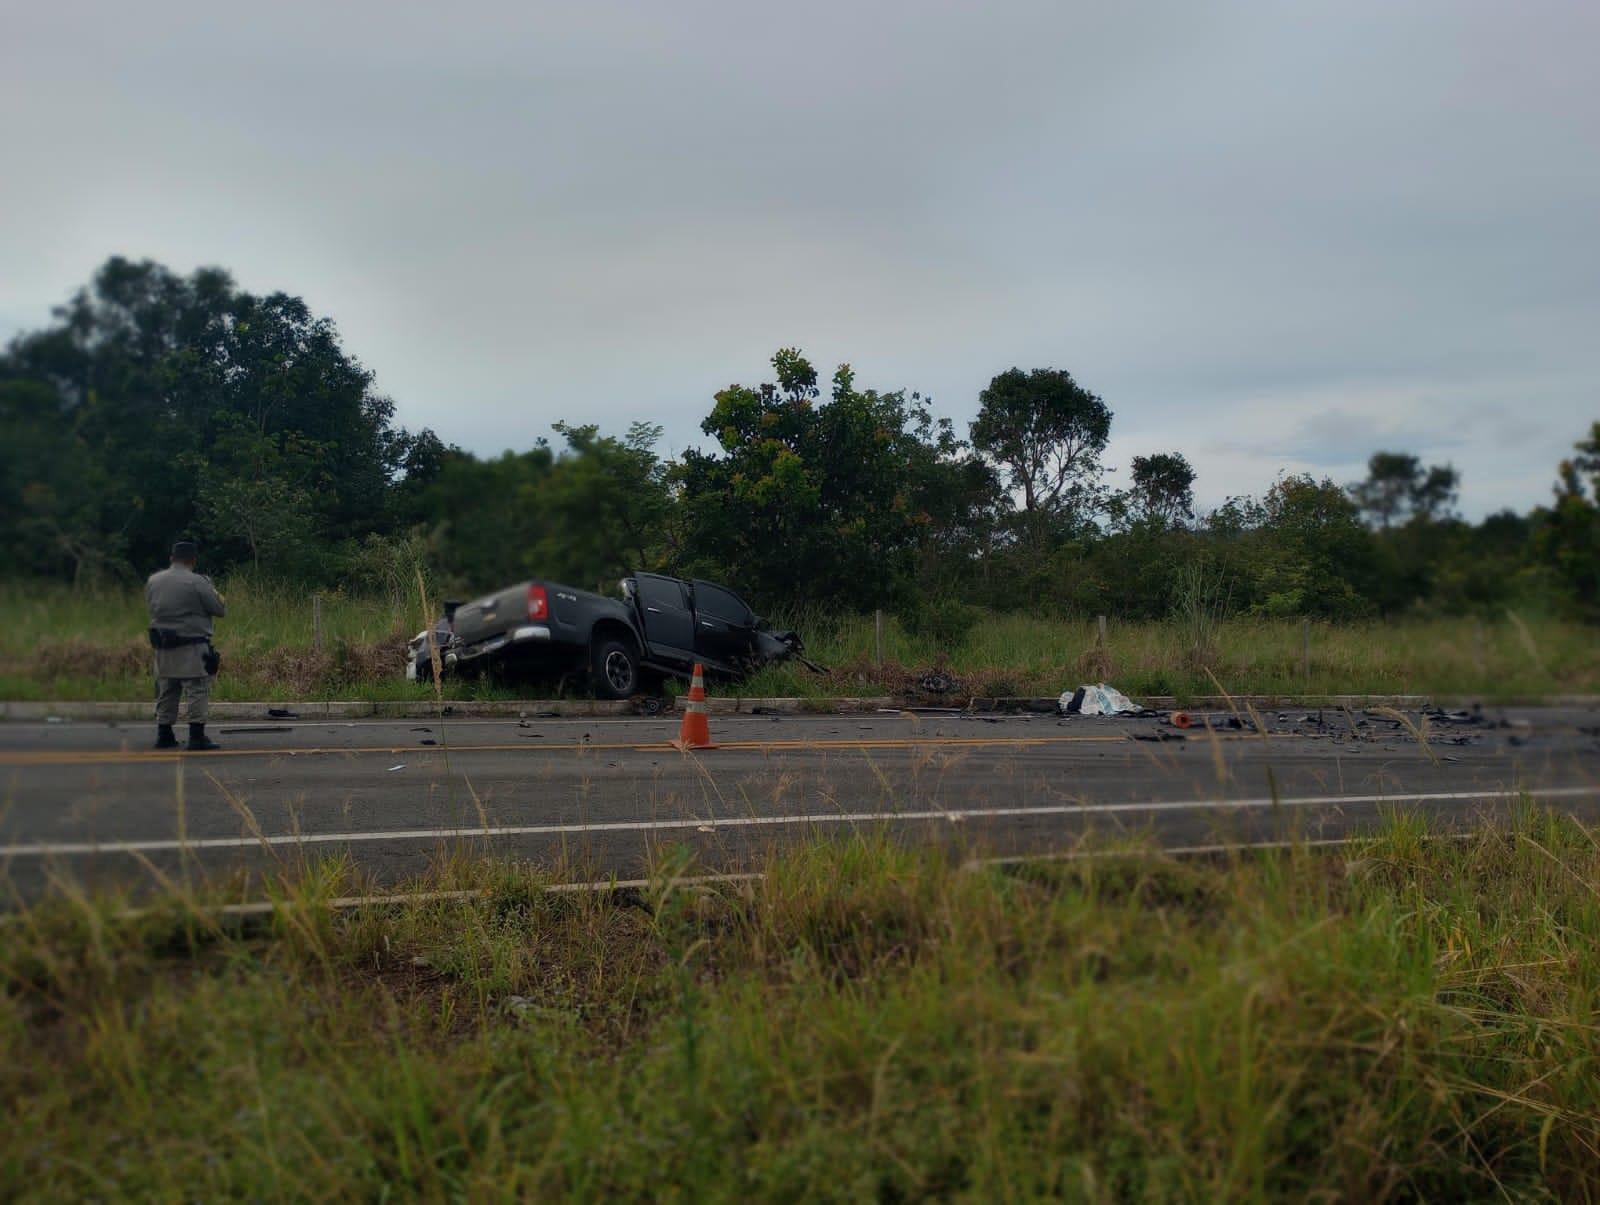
x: 185, y: 604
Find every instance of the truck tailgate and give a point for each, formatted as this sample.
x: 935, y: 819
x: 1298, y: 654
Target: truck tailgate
x: 492, y: 614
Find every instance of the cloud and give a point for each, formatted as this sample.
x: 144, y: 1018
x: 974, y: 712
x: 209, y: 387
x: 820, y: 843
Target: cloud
x: 1265, y: 233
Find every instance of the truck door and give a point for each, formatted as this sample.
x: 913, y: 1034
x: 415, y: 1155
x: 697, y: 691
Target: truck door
x: 668, y: 622
x: 724, y: 626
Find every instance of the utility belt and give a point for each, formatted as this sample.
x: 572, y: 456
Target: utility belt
x: 163, y: 639
x: 167, y: 638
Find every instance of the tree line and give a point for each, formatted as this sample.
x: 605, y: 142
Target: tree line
x: 156, y: 404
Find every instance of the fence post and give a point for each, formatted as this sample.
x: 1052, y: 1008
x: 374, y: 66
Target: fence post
x: 1305, y: 649
x: 877, y: 628
x: 1100, y: 622
x: 316, y: 620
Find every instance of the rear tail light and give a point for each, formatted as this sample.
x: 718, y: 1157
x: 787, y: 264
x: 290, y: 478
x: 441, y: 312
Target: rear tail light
x: 538, y: 603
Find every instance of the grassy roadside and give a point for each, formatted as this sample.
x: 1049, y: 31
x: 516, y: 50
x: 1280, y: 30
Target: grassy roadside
x: 60, y: 644
x: 1402, y: 1019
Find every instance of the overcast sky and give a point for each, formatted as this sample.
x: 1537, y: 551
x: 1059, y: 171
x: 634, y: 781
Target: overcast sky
x: 1271, y: 236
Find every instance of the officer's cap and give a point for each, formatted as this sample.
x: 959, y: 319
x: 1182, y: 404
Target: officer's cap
x: 186, y: 550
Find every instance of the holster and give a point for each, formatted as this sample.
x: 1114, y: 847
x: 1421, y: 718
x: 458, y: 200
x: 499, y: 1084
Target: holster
x: 212, y: 660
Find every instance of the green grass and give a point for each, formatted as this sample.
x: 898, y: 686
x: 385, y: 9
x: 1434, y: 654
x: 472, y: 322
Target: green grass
x: 59, y: 644
x: 1404, y: 1019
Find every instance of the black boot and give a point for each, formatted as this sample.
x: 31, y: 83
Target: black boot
x: 165, y: 737
x: 198, y: 740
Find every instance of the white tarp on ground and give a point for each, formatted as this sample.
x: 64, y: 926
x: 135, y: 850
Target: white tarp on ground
x: 1098, y: 699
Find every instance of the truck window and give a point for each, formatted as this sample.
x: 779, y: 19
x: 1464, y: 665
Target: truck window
x: 721, y: 604
x: 660, y: 592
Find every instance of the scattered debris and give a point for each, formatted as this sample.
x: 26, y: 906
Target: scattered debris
x: 1439, y: 716
x: 1160, y: 734
x: 937, y: 682
x: 422, y: 730
x: 401, y: 766
x: 430, y: 742
x: 281, y: 713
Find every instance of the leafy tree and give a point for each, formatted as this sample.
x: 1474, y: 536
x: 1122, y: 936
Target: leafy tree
x: 818, y: 501
x: 1587, y: 461
x: 606, y: 502
x: 1163, y: 488
x: 1398, y: 485
x: 1299, y: 550
x: 257, y: 491
x: 53, y: 513
x: 1568, y: 537
x: 1047, y: 433
x: 483, y: 517
x: 150, y: 369
x: 586, y: 515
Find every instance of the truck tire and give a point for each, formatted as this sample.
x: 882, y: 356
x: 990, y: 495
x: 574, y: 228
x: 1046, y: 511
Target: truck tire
x: 614, y: 668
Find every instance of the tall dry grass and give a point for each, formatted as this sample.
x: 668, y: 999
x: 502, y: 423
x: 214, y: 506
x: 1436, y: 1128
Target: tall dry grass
x: 62, y: 644
x: 1406, y: 1018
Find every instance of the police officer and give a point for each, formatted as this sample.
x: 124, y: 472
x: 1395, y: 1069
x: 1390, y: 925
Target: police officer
x: 182, y: 607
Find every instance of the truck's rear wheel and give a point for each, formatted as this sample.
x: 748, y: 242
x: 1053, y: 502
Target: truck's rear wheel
x: 614, y: 668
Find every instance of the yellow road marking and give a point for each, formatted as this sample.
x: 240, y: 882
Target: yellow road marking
x: 102, y: 757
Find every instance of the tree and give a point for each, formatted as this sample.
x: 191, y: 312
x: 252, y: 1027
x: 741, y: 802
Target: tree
x: 1163, y: 488
x: 1568, y: 533
x: 819, y: 501
x: 1301, y: 549
x: 53, y: 513
x: 1587, y: 461
x: 586, y: 515
x: 257, y: 491
x: 1397, y: 485
x: 605, y: 504
x: 1047, y: 433
x: 150, y: 369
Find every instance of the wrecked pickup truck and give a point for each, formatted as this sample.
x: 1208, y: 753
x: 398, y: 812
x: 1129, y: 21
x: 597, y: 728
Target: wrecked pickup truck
x: 659, y: 628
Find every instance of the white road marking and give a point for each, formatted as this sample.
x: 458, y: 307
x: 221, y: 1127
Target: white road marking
x: 267, y: 907
x: 72, y: 848
x: 414, y: 898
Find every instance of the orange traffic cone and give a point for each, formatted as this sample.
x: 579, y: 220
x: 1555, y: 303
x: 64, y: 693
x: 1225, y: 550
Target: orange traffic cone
x: 695, y: 731
x: 1182, y: 719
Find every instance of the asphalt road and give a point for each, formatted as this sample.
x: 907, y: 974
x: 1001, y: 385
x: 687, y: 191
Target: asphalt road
x: 600, y: 797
